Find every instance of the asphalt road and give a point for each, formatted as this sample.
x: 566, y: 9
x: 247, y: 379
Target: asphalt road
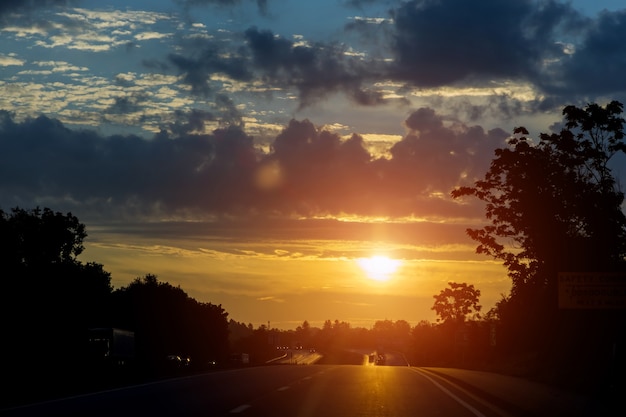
x: 284, y: 390
x: 319, y: 390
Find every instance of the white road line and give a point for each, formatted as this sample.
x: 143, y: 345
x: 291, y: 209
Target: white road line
x: 239, y: 409
x: 457, y: 399
x: 285, y: 388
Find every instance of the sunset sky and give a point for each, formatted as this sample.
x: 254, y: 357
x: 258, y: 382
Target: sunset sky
x: 255, y: 152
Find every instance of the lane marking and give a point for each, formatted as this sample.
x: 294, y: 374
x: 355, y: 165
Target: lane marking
x: 452, y: 395
x: 285, y: 388
x: 239, y: 409
x: 486, y: 403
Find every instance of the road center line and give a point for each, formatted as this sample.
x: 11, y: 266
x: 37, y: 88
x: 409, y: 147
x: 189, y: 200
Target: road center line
x: 451, y: 394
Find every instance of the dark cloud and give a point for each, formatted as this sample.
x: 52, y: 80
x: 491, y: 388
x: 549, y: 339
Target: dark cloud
x: 10, y: 6
x: 127, y: 104
x: 44, y: 159
x: 309, y: 171
x: 442, y: 42
x: 434, y: 156
x: 424, y: 120
x: 208, y: 58
x: 502, y: 107
x: 564, y: 55
x: 222, y: 111
x: 188, y: 122
x: 597, y: 66
x: 428, y: 43
x: 315, y: 70
x: 27, y: 10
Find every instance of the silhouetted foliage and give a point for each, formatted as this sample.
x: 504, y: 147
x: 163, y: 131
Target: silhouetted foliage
x: 238, y: 331
x: 457, y: 302
x: 49, y: 297
x: 391, y: 335
x: 50, y: 300
x: 554, y: 206
x: 167, y: 321
x: 40, y: 237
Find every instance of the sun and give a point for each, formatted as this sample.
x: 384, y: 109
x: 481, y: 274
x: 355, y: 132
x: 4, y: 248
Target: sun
x: 379, y: 268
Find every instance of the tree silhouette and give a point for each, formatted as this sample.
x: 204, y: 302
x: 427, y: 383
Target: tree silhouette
x: 167, y: 321
x: 49, y: 297
x: 40, y: 237
x: 554, y: 206
x: 456, y: 303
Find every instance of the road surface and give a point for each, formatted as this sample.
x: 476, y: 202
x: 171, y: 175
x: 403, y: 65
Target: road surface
x: 298, y: 391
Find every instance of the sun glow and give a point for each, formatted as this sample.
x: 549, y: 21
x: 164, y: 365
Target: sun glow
x: 379, y: 268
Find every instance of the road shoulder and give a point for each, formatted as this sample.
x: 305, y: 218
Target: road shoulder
x: 521, y: 397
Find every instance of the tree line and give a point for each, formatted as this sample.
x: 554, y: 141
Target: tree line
x: 51, y: 300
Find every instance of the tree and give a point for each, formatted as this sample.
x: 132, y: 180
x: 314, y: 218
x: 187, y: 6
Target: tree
x: 456, y: 303
x: 554, y: 206
x: 303, y: 332
x: 40, y: 237
x: 167, y: 321
x: 49, y: 297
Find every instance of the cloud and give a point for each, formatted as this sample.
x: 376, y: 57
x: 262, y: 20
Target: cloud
x: 208, y: 58
x: 9, y: 60
x: 271, y: 62
x: 455, y: 41
x: 13, y: 6
x: 126, y: 105
x: 563, y: 55
x: 314, y: 70
x: 86, y: 30
x: 491, y: 45
x: 432, y: 144
x: 22, y: 17
x: 594, y: 67
x: 499, y: 58
x: 151, y: 35
x: 271, y: 298
x: 179, y: 171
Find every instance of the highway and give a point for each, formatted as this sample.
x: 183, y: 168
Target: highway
x: 289, y: 390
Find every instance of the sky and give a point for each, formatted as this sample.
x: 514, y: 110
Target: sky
x: 255, y: 152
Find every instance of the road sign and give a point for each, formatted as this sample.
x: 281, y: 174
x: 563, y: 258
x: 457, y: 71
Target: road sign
x: 592, y: 290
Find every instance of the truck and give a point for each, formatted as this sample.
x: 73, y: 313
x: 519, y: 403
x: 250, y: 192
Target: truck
x: 239, y: 359
x: 111, y: 346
